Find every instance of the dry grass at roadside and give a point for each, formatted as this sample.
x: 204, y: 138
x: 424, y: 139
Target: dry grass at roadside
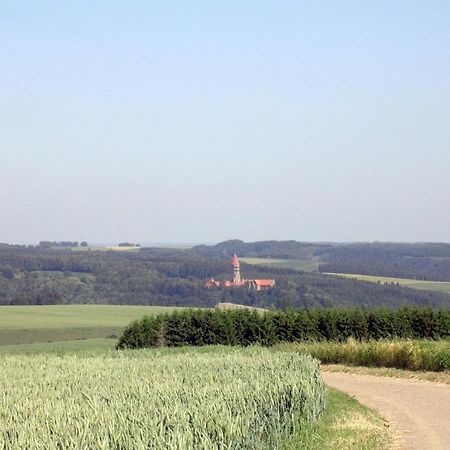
x: 415, y: 355
x: 345, y: 425
x: 440, y: 377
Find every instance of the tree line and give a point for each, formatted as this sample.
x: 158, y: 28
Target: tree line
x: 198, y: 327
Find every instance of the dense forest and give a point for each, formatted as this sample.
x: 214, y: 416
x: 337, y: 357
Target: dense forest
x: 262, y: 249
x: 418, y: 261
x: 423, y: 261
x: 152, y: 276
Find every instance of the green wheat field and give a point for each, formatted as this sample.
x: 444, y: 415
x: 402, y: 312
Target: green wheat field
x: 33, y: 329
x: 217, y: 399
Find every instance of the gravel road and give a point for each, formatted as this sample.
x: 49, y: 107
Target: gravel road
x: 418, y: 412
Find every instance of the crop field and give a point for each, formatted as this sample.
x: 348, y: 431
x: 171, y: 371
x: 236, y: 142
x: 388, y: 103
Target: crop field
x: 42, y: 324
x: 214, y: 398
x: 79, y: 392
x: 64, y: 316
x: 111, y: 248
x: 439, y: 286
x: 79, y: 346
x: 305, y: 265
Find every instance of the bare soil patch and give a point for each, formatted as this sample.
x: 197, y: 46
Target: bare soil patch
x: 237, y: 306
x: 440, y: 377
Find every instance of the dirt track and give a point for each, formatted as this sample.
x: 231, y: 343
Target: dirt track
x: 418, y: 412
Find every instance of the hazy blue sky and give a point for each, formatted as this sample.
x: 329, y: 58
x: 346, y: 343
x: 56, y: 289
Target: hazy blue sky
x: 209, y: 120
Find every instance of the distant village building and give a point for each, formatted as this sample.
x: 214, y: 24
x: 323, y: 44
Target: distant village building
x: 257, y: 285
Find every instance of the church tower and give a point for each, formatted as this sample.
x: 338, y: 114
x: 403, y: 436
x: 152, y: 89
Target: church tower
x: 236, y: 269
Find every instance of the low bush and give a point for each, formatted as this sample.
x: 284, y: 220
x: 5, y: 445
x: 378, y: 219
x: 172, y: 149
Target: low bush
x: 409, y: 354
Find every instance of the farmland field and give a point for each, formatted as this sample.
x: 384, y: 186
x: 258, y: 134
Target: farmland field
x: 84, y: 380
x: 111, y: 248
x: 85, y: 346
x: 439, y: 286
x: 54, y: 323
x: 161, y: 399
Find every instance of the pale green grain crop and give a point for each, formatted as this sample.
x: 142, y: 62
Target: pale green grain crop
x: 223, y: 399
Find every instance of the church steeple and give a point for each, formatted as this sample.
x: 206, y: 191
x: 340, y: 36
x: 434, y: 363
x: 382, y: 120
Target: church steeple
x: 236, y: 269
x: 254, y: 284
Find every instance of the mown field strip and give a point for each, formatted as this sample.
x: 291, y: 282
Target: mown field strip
x: 73, y: 316
x: 439, y: 286
x: 53, y: 323
x: 45, y: 335
x: 79, y: 346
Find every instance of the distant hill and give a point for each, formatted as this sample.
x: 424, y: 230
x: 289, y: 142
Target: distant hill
x: 176, y: 277
x: 423, y: 261
x: 262, y: 249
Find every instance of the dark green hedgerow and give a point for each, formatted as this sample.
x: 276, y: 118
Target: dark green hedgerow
x: 244, y: 327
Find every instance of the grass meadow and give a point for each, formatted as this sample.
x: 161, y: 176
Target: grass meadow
x: 346, y: 424
x: 439, y: 286
x: 58, y: 323
x: 85, y: 346
x: 110, y: 248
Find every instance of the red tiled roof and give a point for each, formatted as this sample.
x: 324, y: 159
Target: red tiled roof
x: 235, y: 260
x: 211, y: 282
x: 264, y: 282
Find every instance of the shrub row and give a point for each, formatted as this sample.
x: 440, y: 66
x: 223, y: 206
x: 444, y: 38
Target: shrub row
x: 410, y: 354
x: 244, y: 327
